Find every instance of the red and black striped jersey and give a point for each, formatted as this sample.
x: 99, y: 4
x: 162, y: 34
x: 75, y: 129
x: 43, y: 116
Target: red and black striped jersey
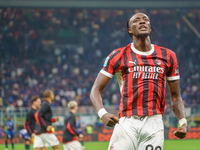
x: 141, y: 77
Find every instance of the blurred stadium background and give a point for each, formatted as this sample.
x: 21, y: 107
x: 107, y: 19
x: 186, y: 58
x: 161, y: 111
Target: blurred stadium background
x: 62, y: 45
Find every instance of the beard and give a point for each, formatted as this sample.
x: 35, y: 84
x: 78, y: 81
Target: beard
x: 143, y: 35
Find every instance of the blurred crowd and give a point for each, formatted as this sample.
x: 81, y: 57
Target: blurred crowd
x: 64, y: 49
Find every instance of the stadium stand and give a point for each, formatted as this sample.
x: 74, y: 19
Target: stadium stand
x: 62, y: 49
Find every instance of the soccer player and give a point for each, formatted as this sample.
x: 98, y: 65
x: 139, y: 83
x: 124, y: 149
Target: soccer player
x: 44, y: 129
x: 80, y: 129
x: 70, y: 141
x: 10, y: 132
x: 141, y: 69
x: 23, y: 134
x: 30, y: 122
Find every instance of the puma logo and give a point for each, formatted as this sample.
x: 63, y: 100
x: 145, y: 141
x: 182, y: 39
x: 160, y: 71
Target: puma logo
x: 133, y: 62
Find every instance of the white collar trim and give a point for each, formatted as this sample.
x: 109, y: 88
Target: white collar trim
x: 143, y: 53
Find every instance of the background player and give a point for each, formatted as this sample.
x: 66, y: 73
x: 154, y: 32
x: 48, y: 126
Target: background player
x: 44, y: 128
x: 70, y: 141
x: 30, y: 121
x: 141, y: 68
x: 80, y: 129
x: 23, y: 134
x: 10, y: 132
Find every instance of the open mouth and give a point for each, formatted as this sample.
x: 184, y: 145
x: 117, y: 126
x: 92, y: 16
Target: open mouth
x: 143, y: 28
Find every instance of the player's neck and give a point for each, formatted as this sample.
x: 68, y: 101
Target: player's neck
x: 48, y: 100
x: 34, y: 107
x: 142, y: 44
x: 73, y: 111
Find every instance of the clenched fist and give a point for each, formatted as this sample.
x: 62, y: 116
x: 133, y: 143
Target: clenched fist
x: 181, y: 131
x: 110, y: 119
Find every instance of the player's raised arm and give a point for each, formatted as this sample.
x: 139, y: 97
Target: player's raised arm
x: 178, y: 108
x: 95, y: 96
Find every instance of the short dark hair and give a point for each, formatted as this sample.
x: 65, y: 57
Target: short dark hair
x: 127, y: 27
x: 131, y: 35
x: 34, y: 98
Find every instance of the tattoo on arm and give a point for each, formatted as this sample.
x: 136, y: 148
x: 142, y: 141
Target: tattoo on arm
x: 178, y: 108
x: 176, y: 100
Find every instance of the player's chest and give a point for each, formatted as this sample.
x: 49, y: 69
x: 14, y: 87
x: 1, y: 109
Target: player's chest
x: 9, y: 123
x: 145, y: 67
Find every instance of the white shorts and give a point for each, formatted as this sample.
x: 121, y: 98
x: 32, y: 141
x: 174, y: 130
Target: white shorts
x: 45, y: 138
x: 74, y: 145
x: 136, y: 133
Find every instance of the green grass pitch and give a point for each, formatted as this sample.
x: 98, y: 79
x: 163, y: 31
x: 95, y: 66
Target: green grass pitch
x: 168, y: 145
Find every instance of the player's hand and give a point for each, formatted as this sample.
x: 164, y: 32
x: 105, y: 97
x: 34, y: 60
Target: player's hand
x: 33, y: 134
x: 49, y: 127
x: 110, y: 119
x: 20, y: 136
x: 57, y: 118
x: 32, y: 137
x: 181, y: 131
x: 80, y: 137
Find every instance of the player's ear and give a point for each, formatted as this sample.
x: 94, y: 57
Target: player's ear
x: 150, y: 28
x: 130, y: 31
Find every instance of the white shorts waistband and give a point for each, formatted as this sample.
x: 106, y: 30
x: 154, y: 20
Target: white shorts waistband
x: 142, y: 117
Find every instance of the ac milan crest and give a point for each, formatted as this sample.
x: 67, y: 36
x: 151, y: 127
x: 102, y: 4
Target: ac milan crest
x: 158, y: 61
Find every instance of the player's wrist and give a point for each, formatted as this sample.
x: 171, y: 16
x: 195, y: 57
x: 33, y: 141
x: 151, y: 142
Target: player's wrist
x: 48, y: 127
x: 182, y: 122
x: 102, y: 112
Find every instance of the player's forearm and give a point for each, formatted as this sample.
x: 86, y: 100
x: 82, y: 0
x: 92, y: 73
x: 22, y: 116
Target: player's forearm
x: 43, y: 123
x: 95, y: 95
x: 74, y: 129
x: 71, y: 127
x: 41, y: 113
x: 29, y: 132
x: 28, y: 128
x: 96, y: 98
x: 27, y: 125
x: 178, y: 107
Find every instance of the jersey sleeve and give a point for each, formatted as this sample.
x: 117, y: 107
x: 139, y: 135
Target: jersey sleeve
x: 53, y: 120
x: 173, y: 72
x: 71, y: 126
x: 27, y: 123
x: 39, y: 115
x: 111, y: 64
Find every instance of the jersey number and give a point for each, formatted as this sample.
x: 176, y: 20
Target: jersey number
x: 150, y: 147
